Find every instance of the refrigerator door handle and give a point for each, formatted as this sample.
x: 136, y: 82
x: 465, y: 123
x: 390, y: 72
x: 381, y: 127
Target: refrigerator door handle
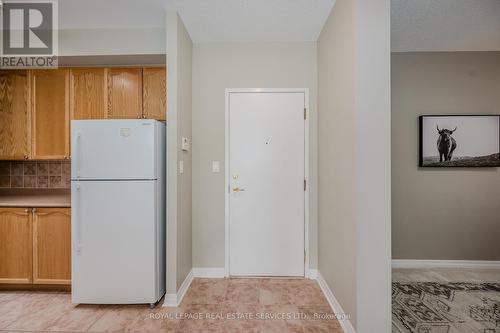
x: 76, y: 220
x: 78, y: 155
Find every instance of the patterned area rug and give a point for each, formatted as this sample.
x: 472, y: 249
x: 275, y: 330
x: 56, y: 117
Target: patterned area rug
x: 428, y: 307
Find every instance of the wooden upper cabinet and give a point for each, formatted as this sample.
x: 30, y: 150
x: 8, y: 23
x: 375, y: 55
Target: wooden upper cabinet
x: 51, y: 246
x: 88, y: 93
x: 154, y: 93
x: 50, y: 106
x: 124, y: 93
x: 15, y: 245
x: 15, y: 116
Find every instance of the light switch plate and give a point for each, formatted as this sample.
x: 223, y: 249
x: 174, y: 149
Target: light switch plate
x: 185, y: 144
x: 215, y: 166
x: 181, y: 167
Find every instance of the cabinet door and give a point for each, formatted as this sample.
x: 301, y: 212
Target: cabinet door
x: 15, y: 245
x: 125, y: 93
x: 15, y: 133
x: 50, y: 95
x: 88, y: 93
x: 154, y: 93
x: 51, y: 246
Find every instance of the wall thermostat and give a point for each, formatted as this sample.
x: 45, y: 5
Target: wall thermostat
x: 185, y: 144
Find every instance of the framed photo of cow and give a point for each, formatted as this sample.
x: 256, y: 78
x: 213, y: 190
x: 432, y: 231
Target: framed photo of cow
x: 459, y: 141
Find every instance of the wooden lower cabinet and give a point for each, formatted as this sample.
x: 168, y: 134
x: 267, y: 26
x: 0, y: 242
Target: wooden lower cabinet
x: 15, y: 245
x: 51, y: 246
x: 35, y: 246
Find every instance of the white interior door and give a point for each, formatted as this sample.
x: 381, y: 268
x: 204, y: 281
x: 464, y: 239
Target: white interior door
x: 266, y: 178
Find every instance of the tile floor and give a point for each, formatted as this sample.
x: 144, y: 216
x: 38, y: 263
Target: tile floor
x: 210, y: 305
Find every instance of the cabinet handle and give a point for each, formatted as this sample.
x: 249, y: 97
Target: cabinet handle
x: 138, y: 117
x: 25, y: 157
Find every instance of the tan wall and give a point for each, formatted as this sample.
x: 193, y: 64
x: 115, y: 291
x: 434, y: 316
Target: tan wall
x: 336, y: 155
x: 373, y: 165
x: 354, y: 220
x: 442, y: 214
x: 179, y: 86
x: 184, y: 210
x: 110, y: 41
x: 217, y: 66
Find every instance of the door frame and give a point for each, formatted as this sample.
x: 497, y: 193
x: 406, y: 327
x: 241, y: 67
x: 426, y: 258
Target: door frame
x: 307, y: 177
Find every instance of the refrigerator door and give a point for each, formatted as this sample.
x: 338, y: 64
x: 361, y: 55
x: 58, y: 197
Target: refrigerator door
x: 114, y: 149
x: 114, y: 237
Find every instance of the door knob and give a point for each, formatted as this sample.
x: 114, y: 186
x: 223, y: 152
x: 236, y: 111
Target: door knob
x: 237, y: 189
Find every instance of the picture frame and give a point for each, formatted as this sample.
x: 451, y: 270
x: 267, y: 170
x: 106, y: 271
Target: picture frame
x: 459, y: 141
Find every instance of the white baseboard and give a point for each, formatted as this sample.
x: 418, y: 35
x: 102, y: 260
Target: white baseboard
x: 174, y: 300
x: 412, y: 263
x: 334, y: 304
x: 170, y: 300
x: 219, y: 273
x: 313, y: 274
x: 209, y: 272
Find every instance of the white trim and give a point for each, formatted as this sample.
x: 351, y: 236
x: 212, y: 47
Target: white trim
x: 174, y: 300
x: 306, y: 168
x: 307, y: 176
x: 226, y: 185
x: 267, y: 90
x: 334, y: 304
x: 209, y: 272
x: 412, y: 263
x: 170, y: 300
x: 313, y: 274
x: 184, y: 287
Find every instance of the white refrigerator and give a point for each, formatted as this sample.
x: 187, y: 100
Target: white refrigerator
x: 118, y: 211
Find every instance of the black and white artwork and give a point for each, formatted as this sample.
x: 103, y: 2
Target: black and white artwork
x: 460, y: 141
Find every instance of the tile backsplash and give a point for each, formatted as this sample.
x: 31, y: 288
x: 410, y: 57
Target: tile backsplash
x: 35, y: 174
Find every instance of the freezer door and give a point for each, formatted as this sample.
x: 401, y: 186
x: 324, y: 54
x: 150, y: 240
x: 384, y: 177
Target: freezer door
x: 114, y: 149
x: 114, y: 252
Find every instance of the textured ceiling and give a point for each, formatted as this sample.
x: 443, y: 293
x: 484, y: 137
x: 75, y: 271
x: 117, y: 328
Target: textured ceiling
x: 445, y: 25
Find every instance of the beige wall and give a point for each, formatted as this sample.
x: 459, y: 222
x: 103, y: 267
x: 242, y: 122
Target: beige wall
x: 336, y: 155
x: 442, y: 214
x: 184, y: 108
x: 84, y: 42
x: 373, y: 165
x: 354, y: 160
x: 179, y: 86
x: 217, y: 66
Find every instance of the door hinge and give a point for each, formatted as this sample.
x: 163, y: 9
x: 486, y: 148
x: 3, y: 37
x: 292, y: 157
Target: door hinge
x: 305, y: 184
x: 305, y: 113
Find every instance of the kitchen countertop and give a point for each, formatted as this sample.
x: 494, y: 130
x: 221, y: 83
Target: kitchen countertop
x: 35, y: 198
